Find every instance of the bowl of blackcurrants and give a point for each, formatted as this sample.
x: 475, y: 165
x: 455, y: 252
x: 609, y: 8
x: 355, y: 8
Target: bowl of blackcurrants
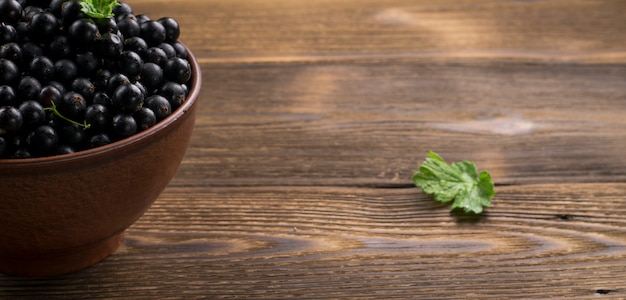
x: 97, y: 108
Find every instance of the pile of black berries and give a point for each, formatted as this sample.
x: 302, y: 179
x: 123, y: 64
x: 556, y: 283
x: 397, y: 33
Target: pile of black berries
x: 70, y: 81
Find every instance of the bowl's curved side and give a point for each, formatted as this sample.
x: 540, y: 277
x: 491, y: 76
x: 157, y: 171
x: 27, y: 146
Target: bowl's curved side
x: 59, y: 216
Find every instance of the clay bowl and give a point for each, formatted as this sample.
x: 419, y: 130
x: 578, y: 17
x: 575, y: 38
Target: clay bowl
x: 63, y: 213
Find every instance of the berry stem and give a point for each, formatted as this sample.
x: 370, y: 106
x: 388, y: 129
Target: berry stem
x: 55, y: 111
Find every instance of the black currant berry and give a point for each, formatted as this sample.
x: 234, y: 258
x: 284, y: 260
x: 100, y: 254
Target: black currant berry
x: 7, y: 95
x: 65, y: 70
x: 12, y: 52
x: 48, y: 95
x: 124, y: 125
x: 8, y: 34
x: 28, y: 88
x: 43, y: 140
x: 72, y: 135
x: 174, y: 93
x: 160, y: 106
x: 97, y: 115
x: 83, y: 33
x: 10, y: 11
x: 177, y: 70
x: 172, y: 29
x: 127, y: 98
x: 72, y: 105
x: 43, y: 26
x: 110, y: 45
x: 151, y: 76
x: 129, y: 63
x: 10, y: 119
x: 99, y: 140
x: 128, y: 27
x: 84, y: 87
x: 33, y: 114
x: 152, y: 32
x: 42, y: 68
x: 145, y: 118
x: 9, y: 72
x: 88, y: 64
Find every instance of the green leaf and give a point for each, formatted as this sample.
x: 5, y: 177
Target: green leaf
x: 98, y: 9
x: 458, y: 182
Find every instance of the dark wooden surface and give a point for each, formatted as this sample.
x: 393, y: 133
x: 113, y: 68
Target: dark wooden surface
x: 314, y: 115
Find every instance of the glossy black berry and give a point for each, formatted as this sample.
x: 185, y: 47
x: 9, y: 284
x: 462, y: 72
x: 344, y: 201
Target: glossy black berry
x: 177, y: 70
x: 110, y: 45
x: 169, y: 50
x: 145, y: 118
x: 128, y: 27
x: 72, y: 135
x: 152, y: 32
x: 48, y: 95
x: 9, y: 72
x: 151, y: 76
x: 129, y: 63
x: 43, y: 140
x: 33, y: 114
x: 10, y: 119
x: 124, y: 125
x: 43, y: 26
x: 30, y: 50
x: 28, y: 88
x: 12, y: 52
x: 83, y: 33
x: 88, y: 64
x: 70, y: 12
x: 127, y: 98
x: 84, y: 87
x: 8, y: 34
x: 122, y: 10
x: 181, y: 51
x: 65, y: 70
x: 160, y: 106
x: 156, y: 55
x: 97, y: 115
x: 174, y: 93
x: 60, y: 47
x: 172, y: 29
x: 7, y: 95
x: 116, y: 80
x: 136, y: 44
x: 99, y: 140
x: 72, y: 105
x: 42, y: 68
x: 10, y: 11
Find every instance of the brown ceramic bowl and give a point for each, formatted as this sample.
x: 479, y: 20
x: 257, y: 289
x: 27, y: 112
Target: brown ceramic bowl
x: 63, y: 213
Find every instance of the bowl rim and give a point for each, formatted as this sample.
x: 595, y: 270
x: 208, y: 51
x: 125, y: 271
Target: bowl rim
x: 192, y: 97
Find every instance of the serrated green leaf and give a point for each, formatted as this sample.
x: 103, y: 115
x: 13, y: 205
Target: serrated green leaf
x: 458, y: 182
x: 98, y: 9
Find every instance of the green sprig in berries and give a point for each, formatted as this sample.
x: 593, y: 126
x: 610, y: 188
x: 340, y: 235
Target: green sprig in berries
x: 53, y: 108
x: 99, y: 9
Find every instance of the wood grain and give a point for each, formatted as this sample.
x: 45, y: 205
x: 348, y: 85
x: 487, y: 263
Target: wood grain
x: 342, y: 242
x: 371, y: 123
x: 279, y: 30
x: 313, y: 117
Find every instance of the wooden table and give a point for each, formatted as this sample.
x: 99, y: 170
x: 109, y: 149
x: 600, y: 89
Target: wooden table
x: 315, y: 114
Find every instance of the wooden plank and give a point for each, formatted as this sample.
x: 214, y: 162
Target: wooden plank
x: 537, y: 241
x: 270, y: 30
x: 371, y: 123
